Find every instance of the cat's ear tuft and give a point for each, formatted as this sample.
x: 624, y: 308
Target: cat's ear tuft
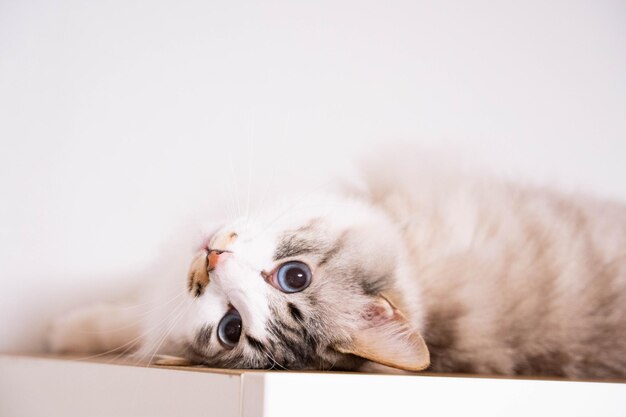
x: 383, y: 335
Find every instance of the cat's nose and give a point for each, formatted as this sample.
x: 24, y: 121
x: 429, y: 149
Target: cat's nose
x: 213, y: 258
x: 219, y: 248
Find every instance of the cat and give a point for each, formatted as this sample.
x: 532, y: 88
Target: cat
x: 414, y: 268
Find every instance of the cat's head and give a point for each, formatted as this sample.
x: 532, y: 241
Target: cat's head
x: 304, y: 286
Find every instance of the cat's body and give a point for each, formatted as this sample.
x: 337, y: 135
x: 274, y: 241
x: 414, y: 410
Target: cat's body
x: 513, y: 279
x: 496, y: 278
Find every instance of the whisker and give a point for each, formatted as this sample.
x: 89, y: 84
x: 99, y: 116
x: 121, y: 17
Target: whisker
x: 140, y: 317
x: 270, y: 184
x: 233, y: 180
x: 271, y: 357
x: 163, y: 320
x: 141, y: 354
x: 250, y: 161
x: 128, y: 345
x: 146, y: 303
x: 169, y: 330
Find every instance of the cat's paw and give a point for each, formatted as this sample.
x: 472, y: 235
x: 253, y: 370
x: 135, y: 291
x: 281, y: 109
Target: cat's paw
x: 93, y: 329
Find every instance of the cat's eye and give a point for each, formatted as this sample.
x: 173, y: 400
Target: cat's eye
x: 229, y: 329
x: 293, y: 276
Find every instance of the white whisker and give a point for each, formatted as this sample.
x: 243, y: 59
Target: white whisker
x: 128, y: 345
x: 250, y: 161
x: 169, y: 330
x: 139, y: 317
x: 234, y: 183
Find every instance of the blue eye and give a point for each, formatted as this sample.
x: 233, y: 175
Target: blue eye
x: 229, y: 329
x: 293, y: 276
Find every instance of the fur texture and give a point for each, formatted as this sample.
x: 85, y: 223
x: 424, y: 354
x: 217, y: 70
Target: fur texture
x: 496, y: 278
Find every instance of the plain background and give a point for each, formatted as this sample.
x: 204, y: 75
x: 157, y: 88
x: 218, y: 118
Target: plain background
x: 119, y: 118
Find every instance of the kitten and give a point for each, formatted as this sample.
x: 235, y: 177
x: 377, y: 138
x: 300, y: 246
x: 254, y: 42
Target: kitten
x: 414, y: 269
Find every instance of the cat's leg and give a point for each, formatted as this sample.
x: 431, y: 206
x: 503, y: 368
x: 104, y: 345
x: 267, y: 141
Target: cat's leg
x: 96, y: 329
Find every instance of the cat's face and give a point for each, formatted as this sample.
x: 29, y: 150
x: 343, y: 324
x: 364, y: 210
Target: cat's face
x: 301, y: 287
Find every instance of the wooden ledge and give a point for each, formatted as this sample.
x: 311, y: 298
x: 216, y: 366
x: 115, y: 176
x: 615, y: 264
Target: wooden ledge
x: 64, y: 386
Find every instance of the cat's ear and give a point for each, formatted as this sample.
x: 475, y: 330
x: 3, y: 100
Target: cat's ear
x: 383, y: 335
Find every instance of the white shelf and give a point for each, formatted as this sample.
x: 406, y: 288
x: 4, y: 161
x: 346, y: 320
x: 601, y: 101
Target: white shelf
x: 35, y: 386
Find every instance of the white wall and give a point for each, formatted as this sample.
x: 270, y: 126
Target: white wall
x: 117, y: 118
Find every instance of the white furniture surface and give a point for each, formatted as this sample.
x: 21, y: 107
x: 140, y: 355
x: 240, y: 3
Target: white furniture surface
x: 39, y: 386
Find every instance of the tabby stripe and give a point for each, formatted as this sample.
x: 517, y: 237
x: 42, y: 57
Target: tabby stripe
x: 295, y: 312
x: 292, y: 245
x: 255, y: 343
x: 330, y: 254
x: 204, y: 336
x: 297, y: 349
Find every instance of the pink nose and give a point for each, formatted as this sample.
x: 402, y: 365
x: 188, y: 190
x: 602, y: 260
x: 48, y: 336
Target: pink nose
x: 222, y: 242
x: 213, y: 258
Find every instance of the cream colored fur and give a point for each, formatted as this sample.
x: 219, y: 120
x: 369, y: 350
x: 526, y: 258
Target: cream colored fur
x: 511, y: 271
x: 496, y: 277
